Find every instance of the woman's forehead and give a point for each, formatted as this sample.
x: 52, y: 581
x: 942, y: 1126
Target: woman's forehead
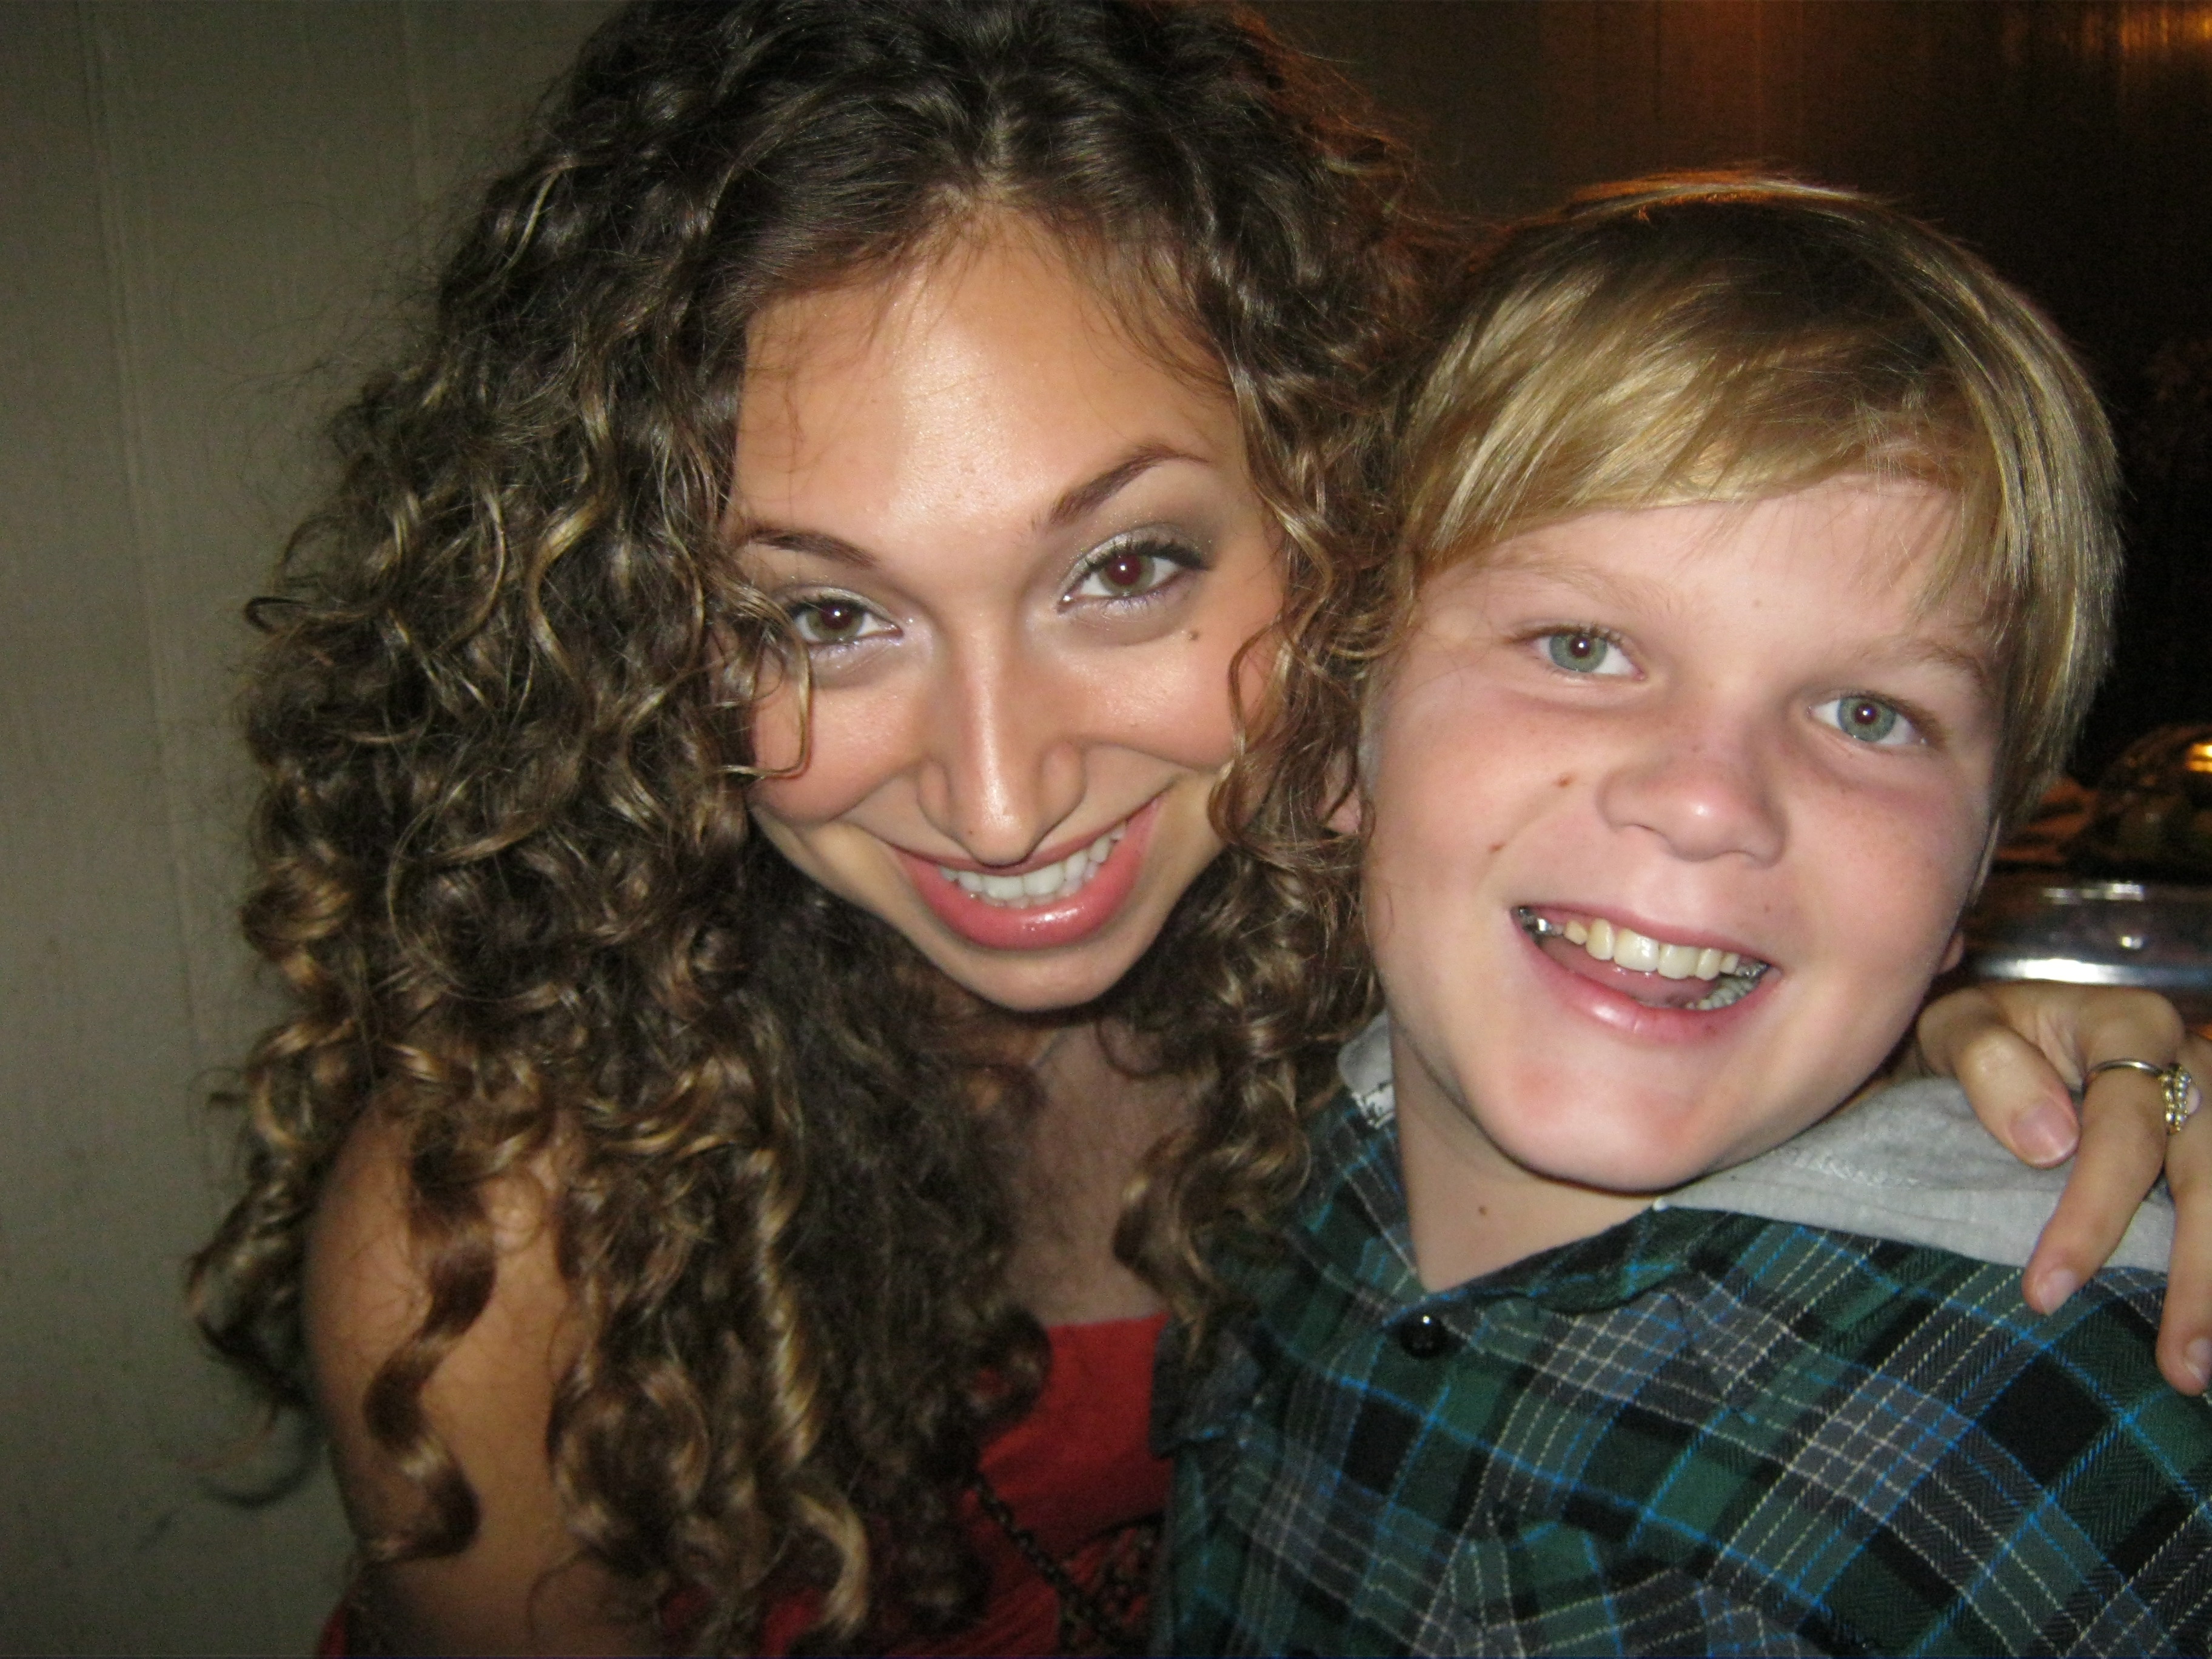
x: 999, y: 273
x: 1000, y: 350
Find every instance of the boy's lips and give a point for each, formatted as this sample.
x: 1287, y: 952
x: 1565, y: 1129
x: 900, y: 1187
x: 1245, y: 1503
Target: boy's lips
x: 1682, y: 970
x: 1055, y: 899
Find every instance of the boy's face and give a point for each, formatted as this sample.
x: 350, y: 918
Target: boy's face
x: 1728, y: 735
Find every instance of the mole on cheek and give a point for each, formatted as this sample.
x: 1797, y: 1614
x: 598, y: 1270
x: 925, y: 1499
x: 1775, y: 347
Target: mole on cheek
x: 1498, y: 846
x: 1565, y: 779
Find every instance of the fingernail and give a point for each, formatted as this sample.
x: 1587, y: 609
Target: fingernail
x: 2053, y: 1287
x: 2047, y: 1135
x: 2198, y: 1357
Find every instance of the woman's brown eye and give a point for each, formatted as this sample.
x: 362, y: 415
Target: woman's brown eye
x: 1127, y: 571
x: 832, y: 622
x: 1134, y: 570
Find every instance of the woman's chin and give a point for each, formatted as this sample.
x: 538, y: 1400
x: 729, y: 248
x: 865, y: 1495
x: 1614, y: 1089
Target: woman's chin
x: 1035, y: 982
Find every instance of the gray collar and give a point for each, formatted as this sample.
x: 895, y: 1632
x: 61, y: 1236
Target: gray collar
x: 1910, y: 1163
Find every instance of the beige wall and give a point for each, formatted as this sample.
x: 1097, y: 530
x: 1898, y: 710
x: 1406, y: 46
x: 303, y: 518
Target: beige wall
x: 203, y: 211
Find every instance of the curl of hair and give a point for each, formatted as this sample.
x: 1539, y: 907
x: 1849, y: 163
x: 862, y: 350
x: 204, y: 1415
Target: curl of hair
x: 502, y: 714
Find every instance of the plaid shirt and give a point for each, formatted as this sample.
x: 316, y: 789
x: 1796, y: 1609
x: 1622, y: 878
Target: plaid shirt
x: 1697, y: 1432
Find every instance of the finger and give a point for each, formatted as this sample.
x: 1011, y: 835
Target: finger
x: 2123, y: 1150
x: 2184, y: 1332
x: 2016, y: 1092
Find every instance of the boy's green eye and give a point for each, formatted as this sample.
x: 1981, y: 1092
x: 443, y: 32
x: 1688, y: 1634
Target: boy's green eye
x: 1580, y: 652
x: 1869, y: 719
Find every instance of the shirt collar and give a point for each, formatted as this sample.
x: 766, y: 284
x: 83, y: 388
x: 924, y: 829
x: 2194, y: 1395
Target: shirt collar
x: 1355, y: 1165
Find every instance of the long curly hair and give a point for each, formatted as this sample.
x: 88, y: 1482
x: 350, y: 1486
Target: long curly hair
x: 503, y: 715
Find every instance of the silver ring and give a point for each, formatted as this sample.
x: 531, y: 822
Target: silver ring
x: 2176, y: 1086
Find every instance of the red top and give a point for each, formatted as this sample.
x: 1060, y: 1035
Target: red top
x: 1077, y: 1471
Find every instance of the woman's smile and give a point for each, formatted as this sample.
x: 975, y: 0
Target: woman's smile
x: 1046, y: 903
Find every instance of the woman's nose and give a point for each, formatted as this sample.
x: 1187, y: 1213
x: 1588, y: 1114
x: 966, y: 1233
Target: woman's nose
x: 1705, y: 786
x: 1002, y: 768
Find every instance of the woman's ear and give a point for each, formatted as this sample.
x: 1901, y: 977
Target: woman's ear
x: 1955, y: 952
x: 1348, y: 814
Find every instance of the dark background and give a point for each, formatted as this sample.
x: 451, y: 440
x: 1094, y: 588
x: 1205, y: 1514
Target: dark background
x: 2070, y: 143
x: 208, y: 214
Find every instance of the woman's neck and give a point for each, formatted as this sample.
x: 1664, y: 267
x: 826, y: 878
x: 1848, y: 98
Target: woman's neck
x: 1076, y: 1156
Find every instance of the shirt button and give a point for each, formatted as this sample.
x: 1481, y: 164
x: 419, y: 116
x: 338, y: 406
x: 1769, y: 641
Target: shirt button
x: 1425, y: 1336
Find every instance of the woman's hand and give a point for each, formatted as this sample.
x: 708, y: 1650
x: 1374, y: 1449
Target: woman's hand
x: 2020, y: 1049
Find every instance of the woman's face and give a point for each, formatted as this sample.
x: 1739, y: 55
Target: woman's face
x: 1022, y: 554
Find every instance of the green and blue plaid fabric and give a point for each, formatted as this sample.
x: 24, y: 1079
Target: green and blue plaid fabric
x: 1697, y: 1432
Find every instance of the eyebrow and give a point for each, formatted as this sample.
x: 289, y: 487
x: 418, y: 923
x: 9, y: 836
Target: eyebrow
x: 820, y: 544
x: 1920, y: 647
x: 1075, y: 503
x: 1086, y: 498
x: 1630, y: 590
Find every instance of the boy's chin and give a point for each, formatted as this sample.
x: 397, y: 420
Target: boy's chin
x: 1634, y: 1140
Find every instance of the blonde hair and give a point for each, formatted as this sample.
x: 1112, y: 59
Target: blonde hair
x: 1714, y: 337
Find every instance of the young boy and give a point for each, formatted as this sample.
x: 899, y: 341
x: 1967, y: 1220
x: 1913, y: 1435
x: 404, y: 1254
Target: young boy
x: 1766, y: 568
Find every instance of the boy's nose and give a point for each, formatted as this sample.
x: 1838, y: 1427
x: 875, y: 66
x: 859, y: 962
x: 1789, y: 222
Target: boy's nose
x: 1002, y: 764
x: 1705, y: 791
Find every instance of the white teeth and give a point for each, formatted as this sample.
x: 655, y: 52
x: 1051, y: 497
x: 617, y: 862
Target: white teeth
x: 1634, y: 950
x: 1608, y: 942
x: 1062, y: 879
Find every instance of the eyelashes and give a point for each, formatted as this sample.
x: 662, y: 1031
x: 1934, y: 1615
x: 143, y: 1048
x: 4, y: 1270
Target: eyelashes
x: 1129, y: 573
x: 1133, y: 568
x: 1591, y: 651
x: 1878, y: 722
x: 827, y: 621
x: 1863, y: 717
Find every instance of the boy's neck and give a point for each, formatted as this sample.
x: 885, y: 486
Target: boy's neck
x: 1471, y: 1209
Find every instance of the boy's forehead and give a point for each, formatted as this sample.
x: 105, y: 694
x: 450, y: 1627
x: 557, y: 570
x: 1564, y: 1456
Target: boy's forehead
x: 1892, y: 539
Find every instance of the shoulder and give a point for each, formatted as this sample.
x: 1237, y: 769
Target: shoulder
x: 367, y: 1283
x: 485, y: 1399
x: 2012, y: 1481
x: 1911, y: 1163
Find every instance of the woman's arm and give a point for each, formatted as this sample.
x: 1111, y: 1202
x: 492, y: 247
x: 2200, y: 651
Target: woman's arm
x: 519, y: 1586
x: 2018, y: 1050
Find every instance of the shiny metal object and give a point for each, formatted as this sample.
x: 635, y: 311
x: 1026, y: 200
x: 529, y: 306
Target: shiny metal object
x: 2153, y: 935
x: 2176, y: 1087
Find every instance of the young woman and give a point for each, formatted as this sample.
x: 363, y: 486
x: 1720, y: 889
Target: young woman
x: 750, y: 750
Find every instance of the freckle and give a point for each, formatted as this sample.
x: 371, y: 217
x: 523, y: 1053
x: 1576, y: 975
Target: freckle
x: 1498, y: 846
x: 1192, y: 637
x: 1565, y: 778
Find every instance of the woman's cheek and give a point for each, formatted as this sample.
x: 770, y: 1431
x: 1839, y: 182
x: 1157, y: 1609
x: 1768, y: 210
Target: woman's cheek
x: 1180, y: 709
x: 848, y: 755
x: 779, y: 732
